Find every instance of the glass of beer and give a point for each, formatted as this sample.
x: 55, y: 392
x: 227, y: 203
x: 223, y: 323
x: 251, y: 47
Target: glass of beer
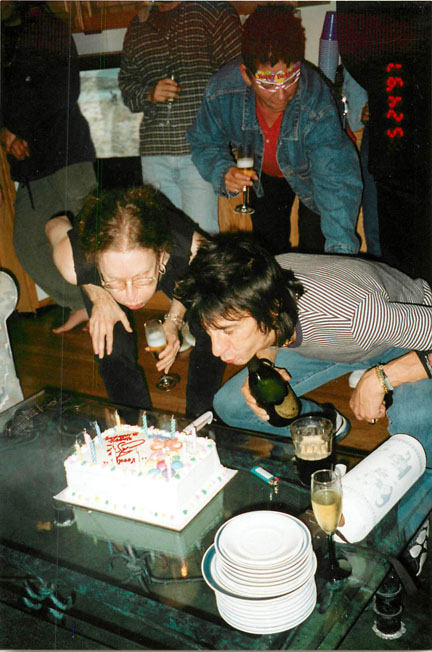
x: 326, y: 495
x: 245, y: 162
x: 156, y: 341
x: 312, y: 439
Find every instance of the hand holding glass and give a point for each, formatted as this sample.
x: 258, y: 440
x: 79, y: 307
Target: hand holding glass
x: 245, y: 161
x: 170, y: 101
x: 156, y: 341
x: 326, y: 494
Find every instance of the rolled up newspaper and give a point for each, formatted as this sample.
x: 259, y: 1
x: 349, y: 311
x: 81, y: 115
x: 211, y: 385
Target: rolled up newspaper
x: 375, y: 485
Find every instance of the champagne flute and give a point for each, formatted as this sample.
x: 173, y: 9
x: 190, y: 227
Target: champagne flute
x: 245, y: 161
x: 156, y: 341
x: 326, y: 493
x: 169, y: 104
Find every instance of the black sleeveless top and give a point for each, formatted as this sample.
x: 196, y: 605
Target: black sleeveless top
x: 182, y: 229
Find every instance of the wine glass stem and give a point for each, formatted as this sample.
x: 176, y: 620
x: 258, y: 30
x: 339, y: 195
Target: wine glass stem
x: 245, y: 196
x: 331, y: 551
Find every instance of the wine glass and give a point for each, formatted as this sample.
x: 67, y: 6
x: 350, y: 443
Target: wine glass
x: 326, y: 494
x: 245, y: 161
x: 156, y: 341
x: 169, y: 104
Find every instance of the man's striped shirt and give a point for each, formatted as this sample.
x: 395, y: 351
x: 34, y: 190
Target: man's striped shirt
x: 354, y: 309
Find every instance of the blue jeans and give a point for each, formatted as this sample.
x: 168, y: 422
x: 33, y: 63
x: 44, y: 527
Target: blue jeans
x: 178, y: 178
x: 410, y: 413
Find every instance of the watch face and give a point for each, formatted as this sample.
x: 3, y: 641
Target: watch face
x: 399, y: 104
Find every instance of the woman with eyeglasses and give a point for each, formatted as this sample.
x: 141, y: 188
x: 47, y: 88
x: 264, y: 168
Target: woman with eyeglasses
x: 123, y: 246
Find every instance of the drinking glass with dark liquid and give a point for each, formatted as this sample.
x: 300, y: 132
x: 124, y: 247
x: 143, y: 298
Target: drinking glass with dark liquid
x: 312, y: 439
x: 156, y: 342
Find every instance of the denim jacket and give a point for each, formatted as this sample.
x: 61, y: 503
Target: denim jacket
x: 315, y: 155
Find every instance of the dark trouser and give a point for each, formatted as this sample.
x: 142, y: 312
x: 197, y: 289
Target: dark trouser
x: 405, y: 222
x: 369, y: 200
x: 125, y: 381
x: 205, y: 373
x: 271, y: 220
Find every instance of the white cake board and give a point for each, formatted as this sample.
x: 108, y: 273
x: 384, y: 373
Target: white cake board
x: 145, y: 514
x: 148, y: 537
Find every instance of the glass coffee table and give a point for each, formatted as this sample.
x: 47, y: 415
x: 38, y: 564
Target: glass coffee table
x: 132, y: 585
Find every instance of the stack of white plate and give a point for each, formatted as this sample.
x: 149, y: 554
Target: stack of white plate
x: 261, y: 568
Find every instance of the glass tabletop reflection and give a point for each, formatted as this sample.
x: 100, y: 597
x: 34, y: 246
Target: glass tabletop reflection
x: 144, y: 578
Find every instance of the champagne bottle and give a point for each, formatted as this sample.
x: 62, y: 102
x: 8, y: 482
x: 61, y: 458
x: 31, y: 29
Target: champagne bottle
x: 272, y: 392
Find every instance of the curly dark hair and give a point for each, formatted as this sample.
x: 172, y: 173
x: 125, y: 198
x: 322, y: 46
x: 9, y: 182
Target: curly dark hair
x: 272, y: 33
x: 122, y: 220
x: 232, y: 275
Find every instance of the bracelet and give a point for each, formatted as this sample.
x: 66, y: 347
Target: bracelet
x: 178, y: 321
x: 384, y: 381
x: 425, y: 358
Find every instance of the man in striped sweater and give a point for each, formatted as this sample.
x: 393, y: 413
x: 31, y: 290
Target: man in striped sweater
x: 317, y: 317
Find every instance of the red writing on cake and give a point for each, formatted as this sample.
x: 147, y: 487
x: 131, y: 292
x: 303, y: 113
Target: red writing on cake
x: 122, y: 446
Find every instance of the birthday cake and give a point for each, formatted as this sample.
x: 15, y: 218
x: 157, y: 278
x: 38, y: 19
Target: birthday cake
x: 145, y: 473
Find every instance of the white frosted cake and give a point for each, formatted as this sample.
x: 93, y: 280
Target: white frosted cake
x: 145, y: 473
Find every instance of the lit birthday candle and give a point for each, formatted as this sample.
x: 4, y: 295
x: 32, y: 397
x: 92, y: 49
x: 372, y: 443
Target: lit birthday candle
x: 173, y: 426
x: 98, y: 432
x: 78, y: 451
x: 117, y: 418
x: 144, y: 422
x: 90, y: 445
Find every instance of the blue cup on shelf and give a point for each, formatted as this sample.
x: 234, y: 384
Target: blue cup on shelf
x: 329, y: 48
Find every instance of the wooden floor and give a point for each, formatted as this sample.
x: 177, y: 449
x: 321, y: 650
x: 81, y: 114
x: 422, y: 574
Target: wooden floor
x: 42, y: 358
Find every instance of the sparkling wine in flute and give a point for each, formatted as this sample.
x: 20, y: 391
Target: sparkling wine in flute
x: 327, y: 507
x: 246, y: 166
x: 168, y: 106
x: 245, y: 161
x: 171, y: 99
x: 326, y: 496
x: 156, y: 342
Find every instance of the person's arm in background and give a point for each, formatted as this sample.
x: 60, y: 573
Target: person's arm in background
x: 140, y: 91
x: 13, y: 144
x: 337, y: 182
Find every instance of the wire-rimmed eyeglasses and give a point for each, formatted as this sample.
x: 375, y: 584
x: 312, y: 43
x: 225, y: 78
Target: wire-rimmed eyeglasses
x: 137, y: 282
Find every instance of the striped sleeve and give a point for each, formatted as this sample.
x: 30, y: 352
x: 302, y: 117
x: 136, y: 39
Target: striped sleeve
x: 402, y: 325
x: 135, y: 78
